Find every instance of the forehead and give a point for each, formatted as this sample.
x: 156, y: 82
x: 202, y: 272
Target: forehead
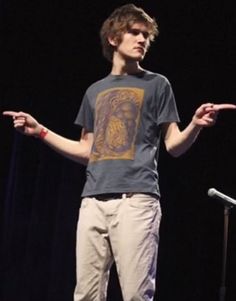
x: 139, y: 25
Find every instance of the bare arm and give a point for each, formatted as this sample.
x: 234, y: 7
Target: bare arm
x: 78, y: 151
x: 177, y: 142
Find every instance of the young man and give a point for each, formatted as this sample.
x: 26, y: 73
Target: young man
x: 123, y: 117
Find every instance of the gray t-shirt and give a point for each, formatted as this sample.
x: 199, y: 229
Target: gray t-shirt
x: 125, y: 114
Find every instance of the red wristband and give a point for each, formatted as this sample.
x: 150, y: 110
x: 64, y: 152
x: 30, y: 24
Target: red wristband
x: 43, y: 133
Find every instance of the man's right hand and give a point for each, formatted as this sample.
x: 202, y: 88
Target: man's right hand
x: 25, y: 123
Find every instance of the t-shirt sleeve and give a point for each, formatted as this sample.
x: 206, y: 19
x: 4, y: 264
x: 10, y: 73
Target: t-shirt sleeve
x: 167, y: 109
x: 84, y: 117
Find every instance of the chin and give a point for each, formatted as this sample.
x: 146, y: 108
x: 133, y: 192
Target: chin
x: 137, y: 58
x: 140, y: 58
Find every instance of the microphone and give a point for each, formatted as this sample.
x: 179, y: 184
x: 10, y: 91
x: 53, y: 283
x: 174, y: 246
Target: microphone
x: 213, y: 193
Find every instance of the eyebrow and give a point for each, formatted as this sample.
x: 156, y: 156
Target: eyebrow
x: 136, y: 31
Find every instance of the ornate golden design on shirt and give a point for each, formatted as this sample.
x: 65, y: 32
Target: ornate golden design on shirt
x: 117, y: 114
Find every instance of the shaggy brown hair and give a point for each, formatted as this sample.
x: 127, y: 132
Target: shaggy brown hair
x: 120, y: 21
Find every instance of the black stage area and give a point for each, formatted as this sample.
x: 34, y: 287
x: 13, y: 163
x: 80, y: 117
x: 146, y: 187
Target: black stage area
x: 50, y: 54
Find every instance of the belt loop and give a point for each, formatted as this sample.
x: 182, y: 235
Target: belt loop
x: 124, y: 196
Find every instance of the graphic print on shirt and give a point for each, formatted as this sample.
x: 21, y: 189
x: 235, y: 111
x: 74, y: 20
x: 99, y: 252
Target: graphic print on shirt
x: 117, y: 115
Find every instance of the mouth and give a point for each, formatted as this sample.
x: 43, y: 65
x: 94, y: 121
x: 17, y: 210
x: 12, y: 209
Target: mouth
x: 140, y: 49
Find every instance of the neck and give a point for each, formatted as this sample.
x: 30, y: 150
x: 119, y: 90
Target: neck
x: 124, y: 67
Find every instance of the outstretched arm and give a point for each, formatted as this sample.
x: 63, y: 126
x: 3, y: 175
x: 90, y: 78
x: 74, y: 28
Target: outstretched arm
x: 78, y: 151
x: 177, y: 142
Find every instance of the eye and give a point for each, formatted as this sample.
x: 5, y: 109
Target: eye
x: 146, y: 34
x: 136, y: 32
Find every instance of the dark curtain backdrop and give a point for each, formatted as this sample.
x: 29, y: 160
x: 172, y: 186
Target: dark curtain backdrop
x: 50, y: 53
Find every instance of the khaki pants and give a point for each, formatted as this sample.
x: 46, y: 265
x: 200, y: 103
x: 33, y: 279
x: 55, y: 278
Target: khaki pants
x: 126, y: 231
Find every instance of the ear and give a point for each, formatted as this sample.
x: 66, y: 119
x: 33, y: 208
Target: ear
x: 113, y: 41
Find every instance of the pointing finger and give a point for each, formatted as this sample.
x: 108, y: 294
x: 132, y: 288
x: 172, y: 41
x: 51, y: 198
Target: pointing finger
x: 15, y: 114
x: 224, y: 106
x: 9, y: 113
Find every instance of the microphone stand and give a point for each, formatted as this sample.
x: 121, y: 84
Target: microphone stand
x: 222, y: 291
